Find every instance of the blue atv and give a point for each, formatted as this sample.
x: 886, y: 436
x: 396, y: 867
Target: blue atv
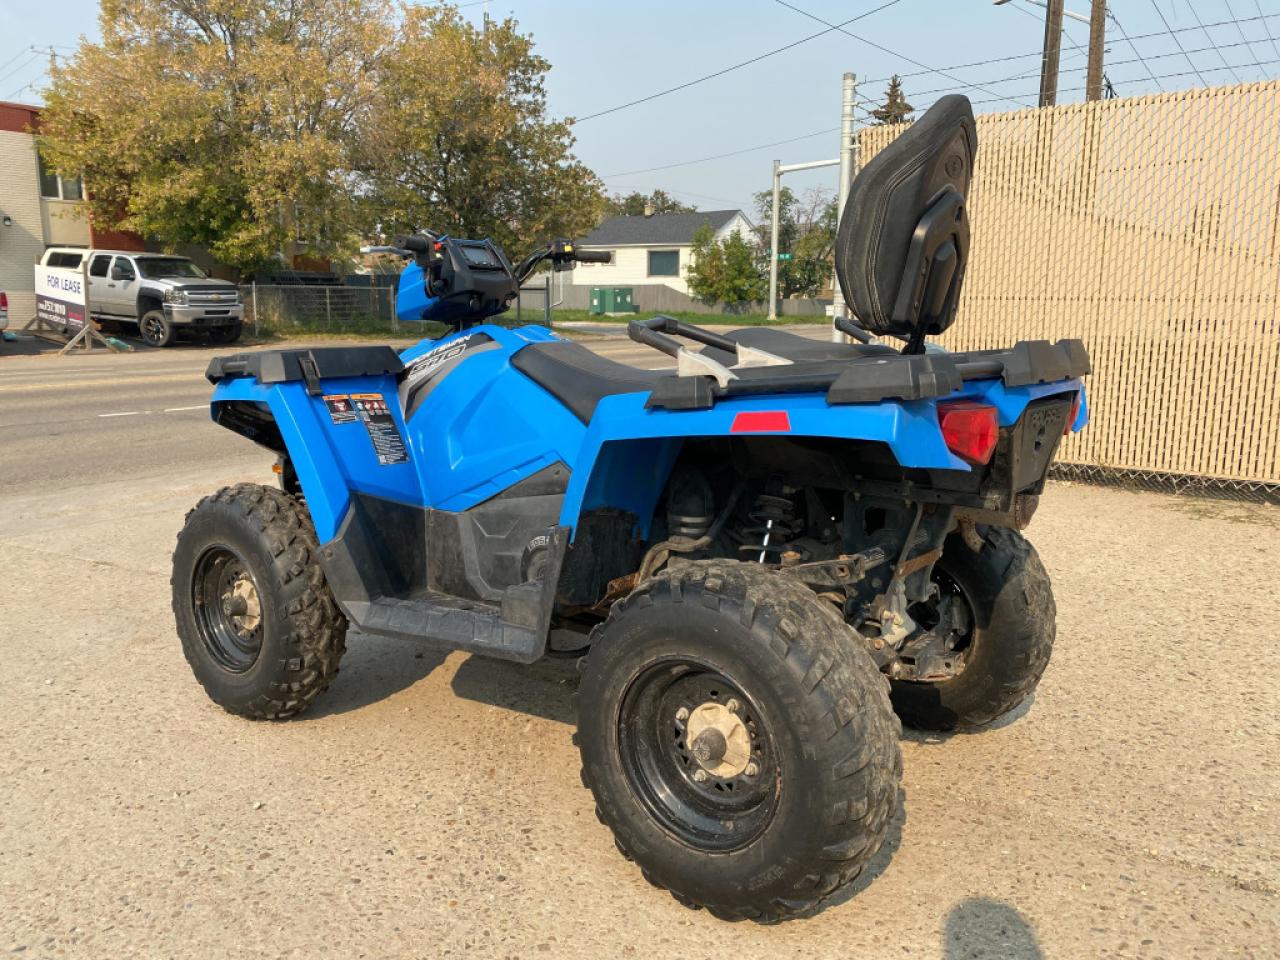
x: 761, y: 557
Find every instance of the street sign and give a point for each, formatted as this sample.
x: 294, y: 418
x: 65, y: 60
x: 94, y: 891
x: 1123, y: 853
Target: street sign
x: 784, y: 256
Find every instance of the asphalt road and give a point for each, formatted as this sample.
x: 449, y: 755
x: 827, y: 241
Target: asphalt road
x: 430, y: 805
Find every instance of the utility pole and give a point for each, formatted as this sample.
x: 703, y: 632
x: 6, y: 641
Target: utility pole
x: 848, y: 159
x: 773, y: 242
x: 1052, y: 53
x: 1097, y: 39
x: 778, y: 170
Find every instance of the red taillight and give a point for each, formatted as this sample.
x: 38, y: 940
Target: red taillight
x: 970, y: 429
x: 4, y: 300
x: 1075, y: 412
x: 761, y: 421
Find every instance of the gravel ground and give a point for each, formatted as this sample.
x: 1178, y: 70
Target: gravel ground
x: 431, y: 807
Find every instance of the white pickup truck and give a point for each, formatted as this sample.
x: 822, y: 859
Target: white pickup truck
x: 164, y: 295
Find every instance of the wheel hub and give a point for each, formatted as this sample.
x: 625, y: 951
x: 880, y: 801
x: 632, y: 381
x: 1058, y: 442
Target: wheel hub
x: 242, y: 605
x: 718, y: 740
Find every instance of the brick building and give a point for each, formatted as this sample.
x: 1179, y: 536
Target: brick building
x: 38, y: 209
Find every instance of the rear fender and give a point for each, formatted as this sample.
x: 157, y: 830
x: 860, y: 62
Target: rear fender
x: 628, y: 451
x: 330, y: 458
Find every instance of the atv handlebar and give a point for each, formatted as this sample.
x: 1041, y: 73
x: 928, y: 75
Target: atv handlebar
x: 593, y: 256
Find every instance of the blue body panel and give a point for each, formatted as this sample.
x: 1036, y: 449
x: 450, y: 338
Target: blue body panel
x: 485, y: 426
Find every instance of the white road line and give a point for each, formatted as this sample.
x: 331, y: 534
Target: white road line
x: 198, y: 406
x: 130, y: 413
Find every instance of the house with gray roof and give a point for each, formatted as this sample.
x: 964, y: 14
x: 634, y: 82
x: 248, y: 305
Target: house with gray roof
x: 649, y: 250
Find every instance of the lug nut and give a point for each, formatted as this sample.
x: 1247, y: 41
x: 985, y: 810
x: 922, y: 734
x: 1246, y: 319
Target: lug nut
x: 700, y: 775
x: 682, y: 715
x: 752, y: 769
x: 733, y: 705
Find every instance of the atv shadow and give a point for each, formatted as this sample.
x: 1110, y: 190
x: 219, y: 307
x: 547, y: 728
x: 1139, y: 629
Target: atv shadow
x: 543, y: 689
x: 984, y: 927
x: 373, y: 669
x: 930, y: 737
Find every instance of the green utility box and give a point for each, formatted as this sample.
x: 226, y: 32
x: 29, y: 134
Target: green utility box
x: 612, y: 300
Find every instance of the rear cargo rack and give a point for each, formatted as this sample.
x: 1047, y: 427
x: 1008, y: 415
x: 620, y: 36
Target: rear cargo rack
x: 877, y: 378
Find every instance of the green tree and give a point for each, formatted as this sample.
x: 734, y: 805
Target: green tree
x: 635, y: 203
x: 244, y: 125
x: 724, y: 271
x: 807, y: 231
x: 895, y: 108
x: 461, y: 140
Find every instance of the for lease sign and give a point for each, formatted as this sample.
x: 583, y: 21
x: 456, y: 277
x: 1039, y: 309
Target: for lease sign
x: 60, y: 297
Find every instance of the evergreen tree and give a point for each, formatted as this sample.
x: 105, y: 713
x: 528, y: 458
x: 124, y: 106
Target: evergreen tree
x: 895, y: 108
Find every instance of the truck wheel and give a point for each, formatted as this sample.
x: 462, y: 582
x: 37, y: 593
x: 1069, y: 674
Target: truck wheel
x: 155, y: 330
x: 227, y: 334
x: 1010, y: 616
x: 738, y: 741
x: 257, y: 620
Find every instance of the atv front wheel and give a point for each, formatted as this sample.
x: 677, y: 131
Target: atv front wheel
x: 155, y: 329
x: 1010, y: 625
x: 257, y: 620
x: 738, y: 740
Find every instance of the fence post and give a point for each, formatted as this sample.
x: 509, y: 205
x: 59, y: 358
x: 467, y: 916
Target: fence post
x: 391, y: 298
x: 328, y: 310
x: 546, y: 304
x: 255, y: 308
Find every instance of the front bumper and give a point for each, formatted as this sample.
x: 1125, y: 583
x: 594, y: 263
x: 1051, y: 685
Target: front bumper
x: 204, y: 316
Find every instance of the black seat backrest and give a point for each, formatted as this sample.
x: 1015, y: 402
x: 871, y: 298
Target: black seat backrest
x: 904, y: 232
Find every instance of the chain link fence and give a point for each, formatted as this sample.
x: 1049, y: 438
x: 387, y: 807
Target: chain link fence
x: 298, y: 309
x: 1149, y: 227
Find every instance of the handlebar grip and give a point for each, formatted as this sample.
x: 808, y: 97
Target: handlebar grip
x: 593, y: 256
x: 416, y: 243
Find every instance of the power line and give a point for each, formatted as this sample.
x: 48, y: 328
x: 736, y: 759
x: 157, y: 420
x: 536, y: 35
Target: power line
x: 1240, y: 30
x: 1134, y: 47
x: 1209, y: 37
x: 1265, y: 28
x: 1038, y: 54
x: 1114, y: 63
x: 731, y: 153
x: 33, y: 56
x: 1161, y: 76
x: 891, y: 53
x: 736, y: 66
x: 1169, y: 30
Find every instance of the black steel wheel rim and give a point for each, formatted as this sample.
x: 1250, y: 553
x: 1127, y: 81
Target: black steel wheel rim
x: 706, y: 810
x: 228, y: 609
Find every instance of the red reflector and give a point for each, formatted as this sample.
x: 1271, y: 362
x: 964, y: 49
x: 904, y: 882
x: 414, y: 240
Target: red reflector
x: 1075, y: 412
x: 970, y: 429
x: 4, y: 300
x: 761, y: 421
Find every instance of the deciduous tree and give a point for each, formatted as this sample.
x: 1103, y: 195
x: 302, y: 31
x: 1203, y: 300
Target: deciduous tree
x: 243, y: 125
x: 724, y: 271
x: 635, y: 204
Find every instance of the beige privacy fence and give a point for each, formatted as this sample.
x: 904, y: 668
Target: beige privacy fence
x: 1150, y: 228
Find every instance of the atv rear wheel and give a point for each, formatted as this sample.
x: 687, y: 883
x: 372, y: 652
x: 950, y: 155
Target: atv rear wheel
x: 1011, y: 617
x: 257, y: 620
x: 738, y: 741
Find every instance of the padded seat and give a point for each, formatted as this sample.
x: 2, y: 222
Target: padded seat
x: 792, y: 346
x: 579, y: 378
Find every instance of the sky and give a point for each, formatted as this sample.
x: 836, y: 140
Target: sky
x: 606, y: 53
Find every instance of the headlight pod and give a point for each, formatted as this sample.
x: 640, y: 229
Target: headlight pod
x: 175, y: 296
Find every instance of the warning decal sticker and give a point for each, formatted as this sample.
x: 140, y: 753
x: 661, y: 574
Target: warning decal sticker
x: 340, y: 409
x: 381, y: 426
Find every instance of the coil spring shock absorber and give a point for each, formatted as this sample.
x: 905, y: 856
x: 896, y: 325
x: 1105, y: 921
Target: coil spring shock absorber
x: 772, y: 526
